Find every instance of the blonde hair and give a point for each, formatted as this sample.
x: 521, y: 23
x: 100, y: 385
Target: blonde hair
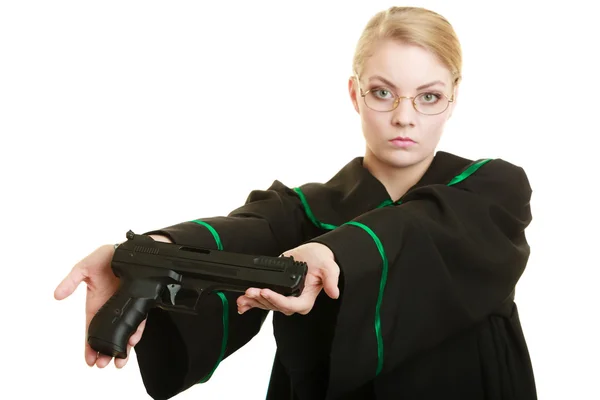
x: 412, y: 25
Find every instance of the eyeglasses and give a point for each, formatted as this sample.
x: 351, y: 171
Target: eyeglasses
x: 384, y: 100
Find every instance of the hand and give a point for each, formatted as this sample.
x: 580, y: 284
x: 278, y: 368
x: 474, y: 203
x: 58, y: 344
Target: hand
x: 323, y: 273
x: 96, y: 272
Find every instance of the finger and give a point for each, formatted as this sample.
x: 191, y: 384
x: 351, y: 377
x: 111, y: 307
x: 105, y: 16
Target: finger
x: 255, y: 294
x: 69, y: 283
x: 265, y: 299
x: 245, y: 304
x: 244, y: 299
x: 120, y: 362
x: 137, y: 335
x: 289, y: 305
x: 330, y: 276
x: 103, y: 360
x: 90, y: 355
x: 252, y: 296
x: 133, y: 340
x: 250, y: 305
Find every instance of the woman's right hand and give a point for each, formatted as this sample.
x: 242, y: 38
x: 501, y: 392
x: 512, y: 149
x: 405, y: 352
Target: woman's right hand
x: 95, y: 270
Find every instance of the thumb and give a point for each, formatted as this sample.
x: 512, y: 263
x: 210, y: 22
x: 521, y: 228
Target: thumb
x: 69, y: 284
x: 331, y: 275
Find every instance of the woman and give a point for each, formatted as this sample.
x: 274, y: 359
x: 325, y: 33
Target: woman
x: 413, y: 254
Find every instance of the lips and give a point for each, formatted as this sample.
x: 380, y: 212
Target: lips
x: 403, y: 139
x: 402, y: 142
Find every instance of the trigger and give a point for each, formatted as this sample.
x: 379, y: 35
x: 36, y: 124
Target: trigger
x: 173, y: 290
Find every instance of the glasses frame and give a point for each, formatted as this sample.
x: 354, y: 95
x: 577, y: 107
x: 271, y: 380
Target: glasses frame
x: 397, y: 99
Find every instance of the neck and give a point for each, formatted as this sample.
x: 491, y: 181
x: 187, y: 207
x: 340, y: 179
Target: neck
x: 396, y: 180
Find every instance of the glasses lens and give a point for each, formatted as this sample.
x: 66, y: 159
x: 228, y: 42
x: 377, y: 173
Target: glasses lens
x: 380, y: 99
x: 383, y: 99
x: 431, y: 103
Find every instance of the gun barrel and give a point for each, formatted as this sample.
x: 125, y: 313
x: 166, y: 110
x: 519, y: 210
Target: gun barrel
x: 228, y: 270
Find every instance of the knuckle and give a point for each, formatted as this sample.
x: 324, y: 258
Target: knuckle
x: 285, y: 311
x: 79, y: 265
x: 304, y: 311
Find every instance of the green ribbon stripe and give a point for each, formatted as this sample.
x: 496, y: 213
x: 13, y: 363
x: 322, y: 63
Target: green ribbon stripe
x: 384, y: 272
x: 225, y: 306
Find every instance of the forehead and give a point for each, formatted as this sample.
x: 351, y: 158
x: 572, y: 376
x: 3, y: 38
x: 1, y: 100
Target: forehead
x: 407, y: 66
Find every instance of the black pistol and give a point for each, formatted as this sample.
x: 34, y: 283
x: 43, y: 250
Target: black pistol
x: 158, y: 274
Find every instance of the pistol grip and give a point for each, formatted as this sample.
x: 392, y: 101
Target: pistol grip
x: 116, y: 321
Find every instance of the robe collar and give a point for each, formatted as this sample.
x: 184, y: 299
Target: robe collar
x: 353, y: 190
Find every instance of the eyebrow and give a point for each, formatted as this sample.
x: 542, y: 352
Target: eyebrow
x: 438, y: 82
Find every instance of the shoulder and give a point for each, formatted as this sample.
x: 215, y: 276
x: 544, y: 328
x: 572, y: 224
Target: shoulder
x: 503, y: 185
x: 504, y: 175
x: 492, y: 178
x: 495, y: 182
x: 482, y: 170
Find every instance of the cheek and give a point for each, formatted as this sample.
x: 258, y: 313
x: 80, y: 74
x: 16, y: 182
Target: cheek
x: 432, y: 126
x: 372, y: 122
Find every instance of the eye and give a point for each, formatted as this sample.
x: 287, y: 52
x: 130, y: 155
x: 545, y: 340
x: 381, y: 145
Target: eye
x: 429, y: 97
x: 382, y: 93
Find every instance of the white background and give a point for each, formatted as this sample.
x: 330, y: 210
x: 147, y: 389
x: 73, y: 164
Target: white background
x: 119, y: 115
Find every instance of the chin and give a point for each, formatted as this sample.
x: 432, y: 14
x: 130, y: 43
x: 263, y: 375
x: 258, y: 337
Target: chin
x: 401, y: 159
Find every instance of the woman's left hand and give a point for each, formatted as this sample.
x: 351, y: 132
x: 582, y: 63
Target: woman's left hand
x: 323, y: 273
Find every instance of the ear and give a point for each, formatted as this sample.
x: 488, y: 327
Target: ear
x: 353, y: 91
x: 453, y: 104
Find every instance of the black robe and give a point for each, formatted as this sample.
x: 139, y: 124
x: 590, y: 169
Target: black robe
x: 426, y: 307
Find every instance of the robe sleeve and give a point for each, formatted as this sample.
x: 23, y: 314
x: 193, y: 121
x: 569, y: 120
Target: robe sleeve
x: 417, y: 273
x: 179, y: 350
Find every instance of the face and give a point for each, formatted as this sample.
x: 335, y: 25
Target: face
x: 402, y: 137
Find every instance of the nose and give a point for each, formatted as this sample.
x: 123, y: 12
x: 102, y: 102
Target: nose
x: 404, y: 114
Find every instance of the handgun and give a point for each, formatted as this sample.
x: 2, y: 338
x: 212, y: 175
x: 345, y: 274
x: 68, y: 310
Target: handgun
x: 176, y: 278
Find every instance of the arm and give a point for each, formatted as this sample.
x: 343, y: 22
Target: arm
x: 415, y: 274
x: 178, y: 350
